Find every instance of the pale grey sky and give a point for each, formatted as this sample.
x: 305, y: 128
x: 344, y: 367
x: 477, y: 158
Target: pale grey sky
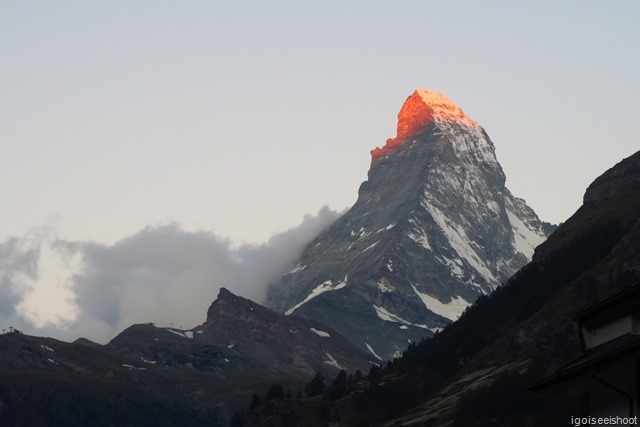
x: 242, y: 117
x: 238, y: 118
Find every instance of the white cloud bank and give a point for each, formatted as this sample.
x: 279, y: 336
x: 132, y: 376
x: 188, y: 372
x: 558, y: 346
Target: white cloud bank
x: 162, y: 274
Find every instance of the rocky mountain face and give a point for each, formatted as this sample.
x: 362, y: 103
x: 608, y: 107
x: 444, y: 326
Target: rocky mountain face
x: 622, y: 176
x: 244, y: 340
x: 433, y: 228
x: 162, y: 375
x: 296, y: 346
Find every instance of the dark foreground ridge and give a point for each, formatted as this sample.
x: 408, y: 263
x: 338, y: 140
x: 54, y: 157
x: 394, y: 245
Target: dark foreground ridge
x: 164, y: 376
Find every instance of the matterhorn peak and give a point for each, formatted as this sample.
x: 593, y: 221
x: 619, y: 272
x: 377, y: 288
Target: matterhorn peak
x: 421, y: 109
x: 433, y: 228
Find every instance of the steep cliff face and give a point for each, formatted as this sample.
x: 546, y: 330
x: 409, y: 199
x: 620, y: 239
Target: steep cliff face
x: 433, y: 228
x: 619, y: 177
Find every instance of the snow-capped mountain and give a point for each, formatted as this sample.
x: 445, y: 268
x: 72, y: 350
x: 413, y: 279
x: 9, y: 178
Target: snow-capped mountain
x: 433, y: 228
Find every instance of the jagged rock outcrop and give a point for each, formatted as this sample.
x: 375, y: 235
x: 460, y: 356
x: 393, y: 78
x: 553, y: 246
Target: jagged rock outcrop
x: 433, y: 228
x: 618, y: 177
x: 298, y: 347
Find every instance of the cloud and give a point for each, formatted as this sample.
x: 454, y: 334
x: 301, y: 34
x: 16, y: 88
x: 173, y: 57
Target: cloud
x: 18, y: 269
x: 161, y: 274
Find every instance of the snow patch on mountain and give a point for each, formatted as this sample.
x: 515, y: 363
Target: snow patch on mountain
x: 332, y: 361
x: 369, y: 247
x: 452, y: 310
x: 388, y: 227
x: 179, y: 333
x: 361, y: 233
x: 297, y: 268
x: 323, y: 334
x: 372, y: 352
x: 384, y: 285
x: 418, y: 235
x: 525, y: 240
x: 320, y: 289
x: 387, y: 316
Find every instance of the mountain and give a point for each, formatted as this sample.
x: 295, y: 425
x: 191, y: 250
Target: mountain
x: 434, y: 227
x: 239, y: 333
x: 164, y: 376
x: 479, y: 370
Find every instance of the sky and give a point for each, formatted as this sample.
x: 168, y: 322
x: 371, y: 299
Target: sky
x: 235, y: 129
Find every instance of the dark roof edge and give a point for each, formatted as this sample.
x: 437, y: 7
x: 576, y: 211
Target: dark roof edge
x: 623, y: 296
x: 582, y: 364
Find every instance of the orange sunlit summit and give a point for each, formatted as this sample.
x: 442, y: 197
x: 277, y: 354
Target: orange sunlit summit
x: 419, y: 110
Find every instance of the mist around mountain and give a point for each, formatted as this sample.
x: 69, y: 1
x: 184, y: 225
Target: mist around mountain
x: 65, y: 289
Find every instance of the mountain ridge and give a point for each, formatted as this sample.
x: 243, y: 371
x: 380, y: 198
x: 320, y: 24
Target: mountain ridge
x: 163, y: 375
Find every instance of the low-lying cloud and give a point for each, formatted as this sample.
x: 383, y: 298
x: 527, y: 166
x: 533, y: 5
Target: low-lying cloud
x: 162, y: 274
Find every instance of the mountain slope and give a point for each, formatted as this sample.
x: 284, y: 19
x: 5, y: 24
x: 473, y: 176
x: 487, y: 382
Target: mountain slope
x: 433, y: 228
